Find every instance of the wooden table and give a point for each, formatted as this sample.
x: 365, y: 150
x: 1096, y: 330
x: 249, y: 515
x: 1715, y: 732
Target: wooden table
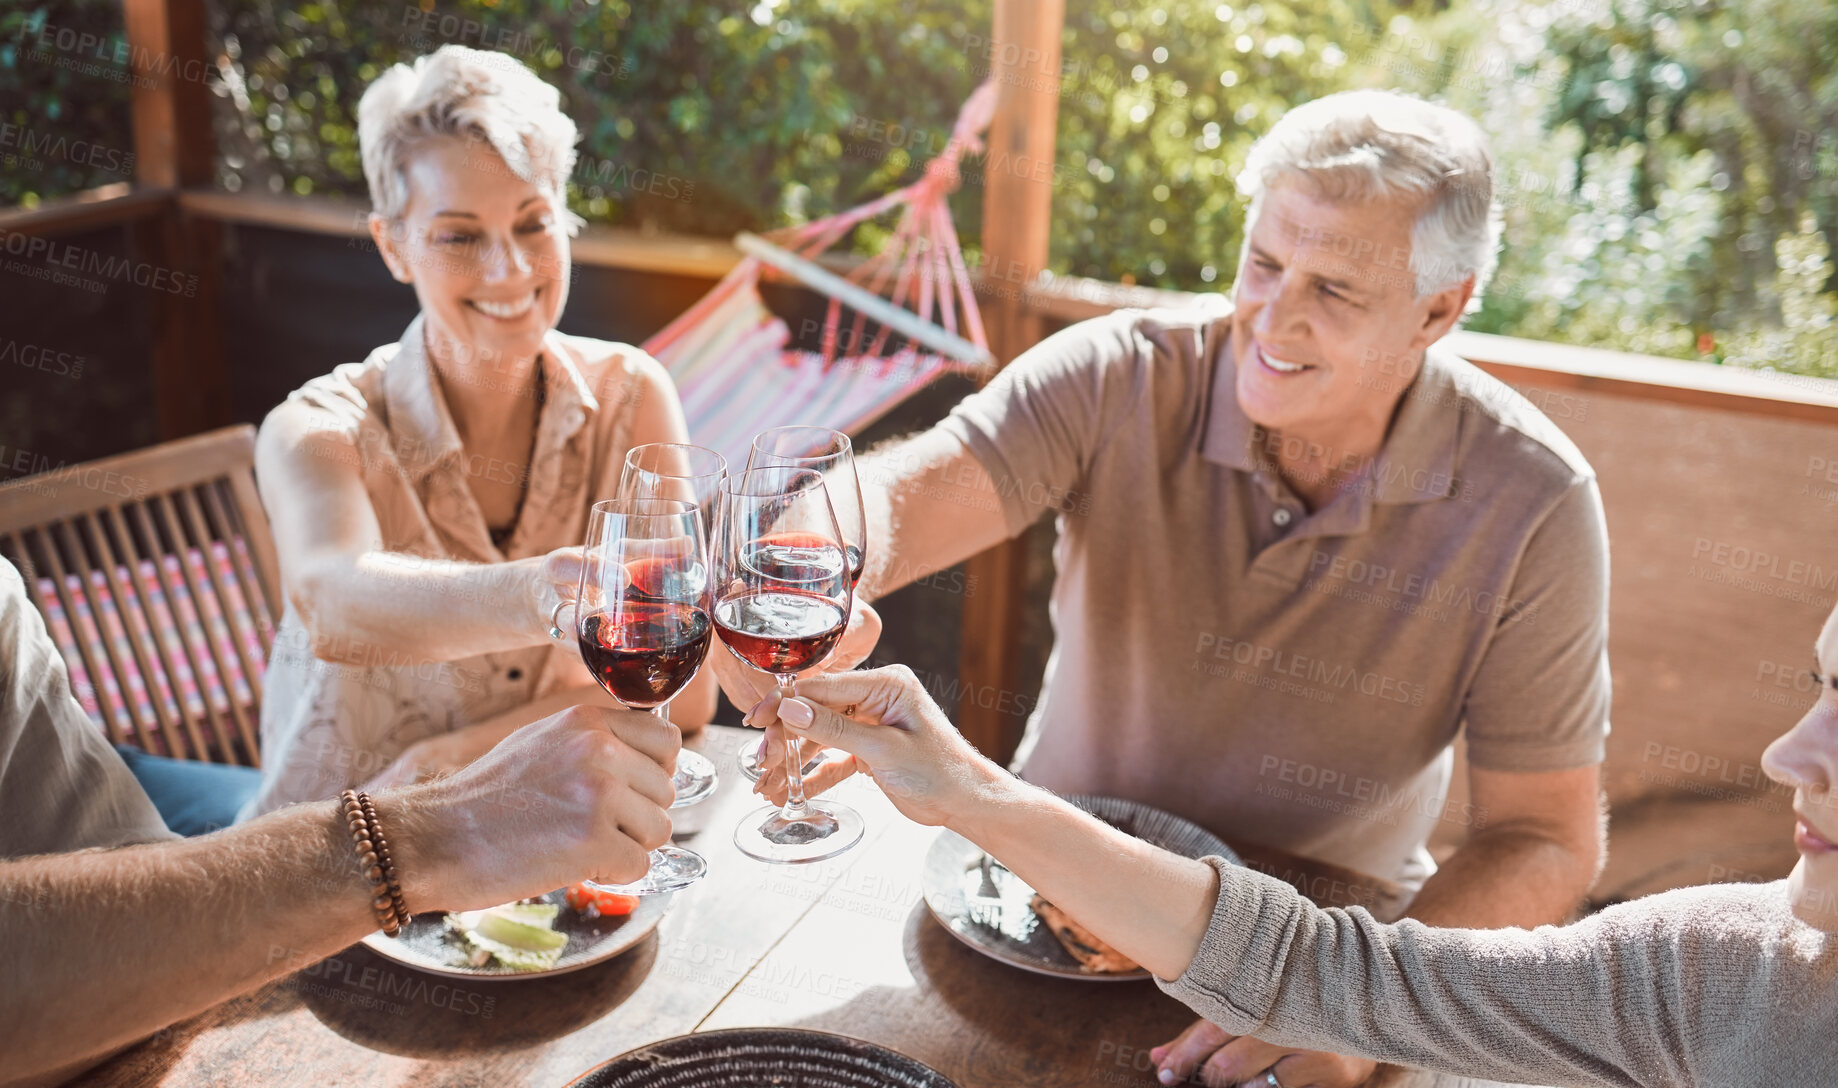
x: 845, y: 945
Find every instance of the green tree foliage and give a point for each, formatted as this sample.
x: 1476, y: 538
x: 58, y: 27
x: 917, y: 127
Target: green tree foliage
x: 64, y: 83
x: 1162, y: 102
x: 1667, y: 167
x: 1747, y: 93
x: 695, y: 116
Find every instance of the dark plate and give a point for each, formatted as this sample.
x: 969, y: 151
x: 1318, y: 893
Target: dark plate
x: 762, y: 1058
x: 426, y: 944
x: 1005, y: 927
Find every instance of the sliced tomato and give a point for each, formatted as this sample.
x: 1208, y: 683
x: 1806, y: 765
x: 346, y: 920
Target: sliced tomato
x: 577, y: 896
x: 612, y: 904
x: 607, y: 904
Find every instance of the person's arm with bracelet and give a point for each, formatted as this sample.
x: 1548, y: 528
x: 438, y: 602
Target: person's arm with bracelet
x: 1247, y: 951
x: 104, y: 947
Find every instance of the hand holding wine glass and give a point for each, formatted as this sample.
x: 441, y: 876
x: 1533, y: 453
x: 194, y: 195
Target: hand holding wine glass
x: 642, y: 622
x: 830, y: 453
x: 901, y: 737
x: 782, y: 598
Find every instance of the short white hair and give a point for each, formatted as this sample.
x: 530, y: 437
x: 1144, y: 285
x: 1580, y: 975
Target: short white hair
x: 471, y: 94
x: 1358, y: 146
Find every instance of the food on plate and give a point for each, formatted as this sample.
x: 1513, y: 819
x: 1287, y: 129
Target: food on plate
x: 591, y: 901
x: 1092, y: 953
x: 520, y: 936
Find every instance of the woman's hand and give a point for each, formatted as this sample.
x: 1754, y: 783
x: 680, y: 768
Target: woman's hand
x: 558, y: 579
x: 898, y: 736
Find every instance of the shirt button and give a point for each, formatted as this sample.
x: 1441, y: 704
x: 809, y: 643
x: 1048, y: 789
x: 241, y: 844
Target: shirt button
x: 1282, y: 516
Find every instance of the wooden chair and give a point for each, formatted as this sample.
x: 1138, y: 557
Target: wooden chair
x: 155, y: 572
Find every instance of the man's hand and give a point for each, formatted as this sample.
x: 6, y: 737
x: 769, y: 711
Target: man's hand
x: 429, y: 757
x: 1205, y: 1054
x: 896, y: 734
x: 582, y: 794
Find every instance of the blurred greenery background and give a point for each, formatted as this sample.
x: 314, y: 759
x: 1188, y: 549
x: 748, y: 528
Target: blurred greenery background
x: 1669, y: 168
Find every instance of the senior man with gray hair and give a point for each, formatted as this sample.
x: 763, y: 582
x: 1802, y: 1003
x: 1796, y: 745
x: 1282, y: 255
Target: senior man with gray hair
x: 1301, y: 548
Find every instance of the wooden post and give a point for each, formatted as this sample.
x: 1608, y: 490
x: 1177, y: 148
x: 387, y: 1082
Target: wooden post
x: 169, y: 98
x: 173, y: 149
x: 1017, y: 212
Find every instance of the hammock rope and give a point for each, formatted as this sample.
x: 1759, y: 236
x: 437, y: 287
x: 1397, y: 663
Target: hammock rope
x: 730, y: 355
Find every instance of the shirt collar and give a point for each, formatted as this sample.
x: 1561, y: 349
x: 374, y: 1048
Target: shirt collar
x: 1417, y: 463
x: 1229, y: 434
x: 421, y: 427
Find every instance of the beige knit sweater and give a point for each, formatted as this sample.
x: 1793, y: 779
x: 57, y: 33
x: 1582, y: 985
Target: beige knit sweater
x: 1717, y: 985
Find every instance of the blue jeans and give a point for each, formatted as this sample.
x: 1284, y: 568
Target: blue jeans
x: 194, y: 798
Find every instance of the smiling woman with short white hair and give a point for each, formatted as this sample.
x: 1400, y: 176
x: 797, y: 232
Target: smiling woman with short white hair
x: 417, y: 496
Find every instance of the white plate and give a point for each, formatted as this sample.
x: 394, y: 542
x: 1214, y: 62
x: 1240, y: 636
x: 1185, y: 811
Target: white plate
x: 429, y: 944
x: 1014, y: 934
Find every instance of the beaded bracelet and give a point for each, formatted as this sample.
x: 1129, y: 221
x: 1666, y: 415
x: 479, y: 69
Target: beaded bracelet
x: 373, y: 855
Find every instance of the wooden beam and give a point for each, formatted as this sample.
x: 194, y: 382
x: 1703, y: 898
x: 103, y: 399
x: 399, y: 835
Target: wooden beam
x: 99, y: 207
x: 1017, y: 215
x: 169, y: 99
x: 171, y: 112
x: 191, y: 374
x: 597, y: 246
x: 1054, y: 300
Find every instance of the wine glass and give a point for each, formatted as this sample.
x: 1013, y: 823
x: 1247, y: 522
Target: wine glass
x: 831, y: 453
x: 781, y: 601
x: 642, y: 620
x: 677, y: 470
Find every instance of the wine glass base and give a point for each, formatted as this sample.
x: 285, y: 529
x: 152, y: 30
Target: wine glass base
x: 767, y: 836
x: 749, y: 759
x: 672, y: 868
x: 752, y: 766
x: 695, y: 778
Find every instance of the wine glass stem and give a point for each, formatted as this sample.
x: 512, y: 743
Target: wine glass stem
x: 662, y: 713
x: 795, y: 807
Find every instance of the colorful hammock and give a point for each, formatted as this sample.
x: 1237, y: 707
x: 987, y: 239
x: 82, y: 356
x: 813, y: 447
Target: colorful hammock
x: 730, y: 355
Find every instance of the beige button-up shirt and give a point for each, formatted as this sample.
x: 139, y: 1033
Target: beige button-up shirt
x: 1284, y: 676
x: 327, y: 727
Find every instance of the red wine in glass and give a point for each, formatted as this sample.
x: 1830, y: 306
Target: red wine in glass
x: 782, y: 597
x: 780, y: 630
x: 857, y: 562
x: 648, y: 652
x: 643, y: 628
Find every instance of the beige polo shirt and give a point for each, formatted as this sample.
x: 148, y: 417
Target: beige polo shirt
x: 1283, y: 677
x: 62, y: 787
x: 327, y: 727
